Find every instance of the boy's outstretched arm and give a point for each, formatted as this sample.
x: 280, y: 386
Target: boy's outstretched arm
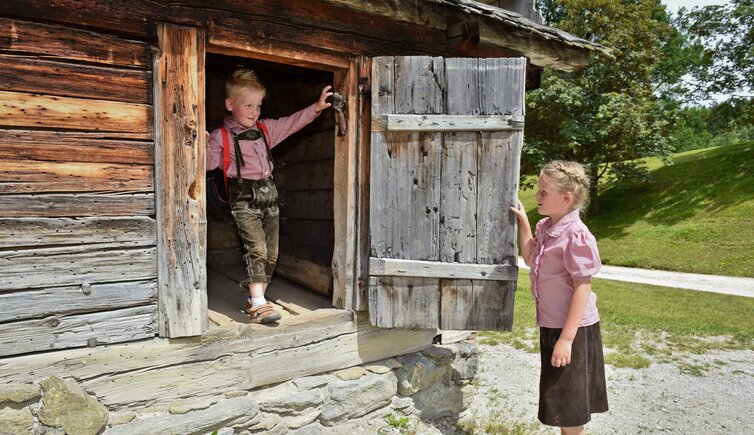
x: 322, y: 104
x: 524, y: 233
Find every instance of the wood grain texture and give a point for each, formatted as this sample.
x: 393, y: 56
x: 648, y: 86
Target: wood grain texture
x: 39, y: 176
x: 48, y: 77
x: 66, y: 300
x: 77, y: 205
x: 180, y: 147
x: 62, y: 42
x: 37, y: 232
x: 68, y: 146
x: 62, y: 332
x: 23, y: 110
x: 75, y: 265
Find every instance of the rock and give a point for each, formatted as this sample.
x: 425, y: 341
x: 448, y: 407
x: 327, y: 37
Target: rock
x: 291, y: 403
x: 66, y: 405
x: 466, y: 349
x: 183, y: 406
x: 310, y: 382
x: 312, y: 429
x: 297, y: 421
x: 441, y: 401
x: 391, y: 363
x: 120, y: 418
x: 19, y: 393
x: 238, y: 411
x: 265, y: 422
x: 418, y: 373
x: 14, y: 421
x: 350, y: 374
x: 380, y: 370
x: 464, y: 368
x: 351, y: 399
x: 401, y: 403
x: 440, y: 353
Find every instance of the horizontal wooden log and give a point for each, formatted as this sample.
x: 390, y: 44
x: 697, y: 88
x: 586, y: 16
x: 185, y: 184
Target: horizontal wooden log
x: 62, y: 332
x: 75, y: 265
x: 304, y: 272
x: 77, y: 205
x: 40, y: 76
x: 446, y: 122
x: 28, y: 110
x: 135, y: 17
x: 63, y: 301
x: 34, y: 232
x: 309, y: 204
x: 40, y: 176
x: 225, y: 360
x: 309, y: 175
x: 436, y: 269
x: 66, y: 146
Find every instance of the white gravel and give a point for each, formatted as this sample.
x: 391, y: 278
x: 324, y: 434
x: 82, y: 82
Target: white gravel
x: 659, y: 399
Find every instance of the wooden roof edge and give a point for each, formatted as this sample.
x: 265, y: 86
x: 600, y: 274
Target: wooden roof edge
x: 510, y: 18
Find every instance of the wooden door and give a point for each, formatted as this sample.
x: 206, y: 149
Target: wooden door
x: 445, y: 149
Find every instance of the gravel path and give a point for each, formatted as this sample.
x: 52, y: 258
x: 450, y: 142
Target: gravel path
x: 658, y: 399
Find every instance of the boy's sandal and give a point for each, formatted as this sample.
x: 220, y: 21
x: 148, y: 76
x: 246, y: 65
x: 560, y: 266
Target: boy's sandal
x: 264, y: 313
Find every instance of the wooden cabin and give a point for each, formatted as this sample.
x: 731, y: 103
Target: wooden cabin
x: 391, y: 232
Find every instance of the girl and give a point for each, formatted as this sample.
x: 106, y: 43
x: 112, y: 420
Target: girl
x: 563, y: 257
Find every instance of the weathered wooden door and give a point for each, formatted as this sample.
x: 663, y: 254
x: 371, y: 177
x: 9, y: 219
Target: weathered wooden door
x: 445, y: 150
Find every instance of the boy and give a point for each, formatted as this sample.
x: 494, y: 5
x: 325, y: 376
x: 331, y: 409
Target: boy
x: 253, y: 195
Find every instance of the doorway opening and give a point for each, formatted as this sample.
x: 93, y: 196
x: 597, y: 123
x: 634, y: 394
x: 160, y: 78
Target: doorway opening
x: 303, y: 175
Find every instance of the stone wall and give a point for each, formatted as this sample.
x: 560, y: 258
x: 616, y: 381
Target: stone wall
x: 426, y: 385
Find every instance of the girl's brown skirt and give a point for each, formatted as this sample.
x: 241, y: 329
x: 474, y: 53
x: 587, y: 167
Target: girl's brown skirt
x: 569, y: 395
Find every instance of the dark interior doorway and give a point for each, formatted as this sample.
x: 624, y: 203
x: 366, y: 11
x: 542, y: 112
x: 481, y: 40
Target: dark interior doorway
x: 303, y: 175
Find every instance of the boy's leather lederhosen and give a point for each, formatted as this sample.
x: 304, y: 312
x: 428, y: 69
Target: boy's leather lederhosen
x: 254, y: 208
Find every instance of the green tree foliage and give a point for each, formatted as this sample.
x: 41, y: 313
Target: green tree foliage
x: 727, y: 34
x: 608, y: 116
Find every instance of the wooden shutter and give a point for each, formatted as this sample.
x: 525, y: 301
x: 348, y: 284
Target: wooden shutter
x: 445, y: 150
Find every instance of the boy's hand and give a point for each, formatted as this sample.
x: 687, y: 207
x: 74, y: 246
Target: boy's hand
x: 322, y: 104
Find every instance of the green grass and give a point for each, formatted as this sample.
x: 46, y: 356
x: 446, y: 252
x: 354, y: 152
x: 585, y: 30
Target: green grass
x: 641, y: 322
x: 697, y: 215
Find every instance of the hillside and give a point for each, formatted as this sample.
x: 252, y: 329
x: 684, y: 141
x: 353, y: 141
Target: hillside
x: 697, y: 215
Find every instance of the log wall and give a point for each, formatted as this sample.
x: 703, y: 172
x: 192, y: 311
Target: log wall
x: 77, y: 227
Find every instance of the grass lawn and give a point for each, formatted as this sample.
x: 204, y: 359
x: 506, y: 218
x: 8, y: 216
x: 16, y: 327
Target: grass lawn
x: 696, y: 216
x: 638, y: 321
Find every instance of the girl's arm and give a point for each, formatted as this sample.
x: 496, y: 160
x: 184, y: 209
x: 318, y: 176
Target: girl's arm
x: 582, y: 288
x: 524, y: 233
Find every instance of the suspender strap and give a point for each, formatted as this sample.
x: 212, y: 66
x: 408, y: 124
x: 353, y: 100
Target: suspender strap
x: 226, y: 156
x: 239, y: 154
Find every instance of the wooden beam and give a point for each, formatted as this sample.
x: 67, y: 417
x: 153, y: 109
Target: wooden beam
x: 59, y: 42
x: 446, y: 123
x: 61, y: 332
x: 180, y: 145
x: 73, y: 265
x: 130, y: 231
x: 225, y: 360
x: 344, y: 201
x: 361, y: 298
x: 307, y: 273
x: 19, y: 109
x: 438, y: 269
x: 39, y: 176
x: 66, y: 146
x: 48, y: 77
x: 77, y: 205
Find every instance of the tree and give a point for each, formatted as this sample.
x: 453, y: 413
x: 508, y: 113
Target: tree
x: 608, y: 116
x: 727, y: 34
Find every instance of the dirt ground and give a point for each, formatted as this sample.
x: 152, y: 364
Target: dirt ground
x: 710, y: 393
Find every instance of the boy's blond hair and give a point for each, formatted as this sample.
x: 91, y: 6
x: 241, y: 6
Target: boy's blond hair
x: 570, y: 177
x: 243, y: 79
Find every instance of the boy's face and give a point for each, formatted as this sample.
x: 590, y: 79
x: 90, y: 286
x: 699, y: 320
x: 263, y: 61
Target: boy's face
x: 246, y: 107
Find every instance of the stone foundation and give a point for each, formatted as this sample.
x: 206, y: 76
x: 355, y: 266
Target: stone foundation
x: 429, y: 384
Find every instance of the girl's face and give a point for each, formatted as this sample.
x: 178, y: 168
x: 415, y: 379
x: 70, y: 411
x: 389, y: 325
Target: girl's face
x: 246, y: 107
x: 551, y: 201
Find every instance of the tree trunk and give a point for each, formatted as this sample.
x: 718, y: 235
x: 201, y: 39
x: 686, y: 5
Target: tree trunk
x: 594, y: 202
